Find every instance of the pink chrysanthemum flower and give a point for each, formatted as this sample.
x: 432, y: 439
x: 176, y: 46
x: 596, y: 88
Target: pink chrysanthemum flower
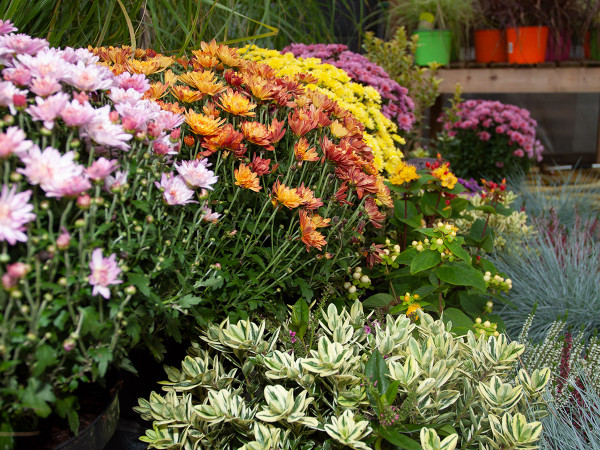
x: 18, y: 75
x: 13, y: 141
x: 15, y: 212
x: 104, y: 273
x: 48, y: 109
x: 70, y: 187
x: 89, y: 78
x: 196, y: 174
x: 76, y: 114
x: 117, y: 181
x: 175, y: 190
x: 8, y: 95
x: 137, y: 82
x: 47, y: 63
x: 6, y: 26
x: 45, y: 86
x: 169, y: 120
x: 104, y: 132
x: 43, y: 167
x: 118, y: 95
x: 101, y: 168
x: 85, y: 56
x: 11, y: 44
x: 208, y: 215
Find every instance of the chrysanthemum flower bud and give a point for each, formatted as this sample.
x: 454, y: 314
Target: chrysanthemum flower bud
x: 45, y: 131
x: 79, y: 223
x: 64, y: 240
x: 130, y: 290
x: 68, y: 345
x: 84, y: 201
x: 18, y: 270
x: 175, y: 135
x: 75, y: 143
x: 45, y: 205
x: 16, y: 177
x: 189, y: 140
x: 62, y: 281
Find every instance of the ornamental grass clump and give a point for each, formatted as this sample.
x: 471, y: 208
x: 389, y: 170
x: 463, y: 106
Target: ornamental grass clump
x: 336, y: 379
x: 84, y: 229
x: 297, y: 185
x: 488, y: 138
x: 364, y: 102
x: 397, y: 104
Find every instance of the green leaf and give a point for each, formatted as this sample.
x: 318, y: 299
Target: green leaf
x: 461, y: 274
x: 401, y: 440
x: 392, y: 391
x: 457, y: 250
x: 424, y: 291
x: 67, y: 408
x: 189, y: 300
x: 503, y: 210
x: 37, y: 396
x: 91, y: 322
x: 472, y: 304
x: 407, y: 256
x: 103, y: 356
x: 378, y: 300
x: 425, y: 260
x: 141, y: 205
x: 45, y: 356
x: 377, y: 372
x: 305, y: 288
x: 459, y: 204
x: 457, y: 189
x: 140, y: 281
x: 406, y: 212
x: 300, y: 315
x: 458, y: 318
x: 6, y: 438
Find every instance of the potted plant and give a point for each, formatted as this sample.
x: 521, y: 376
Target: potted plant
x: 527, y: 35
x: 490, y: 36
x: 437, y: 23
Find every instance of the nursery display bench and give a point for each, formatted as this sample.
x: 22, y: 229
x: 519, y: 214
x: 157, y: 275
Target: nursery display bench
x: 568, y: 77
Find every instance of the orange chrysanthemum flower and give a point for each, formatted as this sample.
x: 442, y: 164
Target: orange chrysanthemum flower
x: 225, y: 138
x: 283, y: 195
x: 170, y: 78
x: 310, y: 236
x: 210, y: 109
x: 308, y: 199
x: 383, y: 193
x: 375, y: 216
x: 202, y: 61
x: 320, y: 222
x: 258, y: 134
x: 303, y: 120
x: 118, y: 55
x: 303, y: 153
x: 261, y: 88
x: 229, y: 56
x: 201, y: 124
x: 358, y: 180
x: 245, y: 178
x: 277, y: 131
x: 337, y: 129
x: 236, y: 104
x: 307, y: 78
x: 172, y: 107
x: 203, y: 81
x: 210, y: 48
x: 185, y: 95
x: 157, y: 91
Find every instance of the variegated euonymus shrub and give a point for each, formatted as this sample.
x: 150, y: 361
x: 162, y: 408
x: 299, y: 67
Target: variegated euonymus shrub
x: 334, y: 379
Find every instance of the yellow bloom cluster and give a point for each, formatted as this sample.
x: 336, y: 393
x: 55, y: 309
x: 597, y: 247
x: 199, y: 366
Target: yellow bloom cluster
x: 364, y: 102
x: 447, y: 178
x: 403, y: 173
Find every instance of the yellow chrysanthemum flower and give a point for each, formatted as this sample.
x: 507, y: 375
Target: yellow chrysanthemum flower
x: 404, y: 173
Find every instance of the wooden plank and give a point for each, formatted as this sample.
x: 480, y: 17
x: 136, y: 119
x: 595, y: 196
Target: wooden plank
x: 524, y: 80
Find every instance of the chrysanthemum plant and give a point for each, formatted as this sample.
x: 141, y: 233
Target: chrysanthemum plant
x: 93, y: 256
x: 296, y: 182
x: 427, y: 263
x: 343, y: 379
x: 489, y: 138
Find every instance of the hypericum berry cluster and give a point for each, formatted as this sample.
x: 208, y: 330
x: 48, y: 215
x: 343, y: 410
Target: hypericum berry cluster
x: 493, y: 192
x: 497, y: 282
x: 390, y: 253
x: 359, y: 283
x: 446, y: 233
x: 485, y: 328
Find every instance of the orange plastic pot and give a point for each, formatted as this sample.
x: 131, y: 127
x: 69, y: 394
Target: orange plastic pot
x: 527, y: 45
x: 490, y: 46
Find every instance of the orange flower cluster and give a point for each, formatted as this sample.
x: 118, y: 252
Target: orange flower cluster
x: 242, y: 108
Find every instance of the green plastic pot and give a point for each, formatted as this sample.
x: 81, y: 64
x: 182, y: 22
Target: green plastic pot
x: 433, y: 47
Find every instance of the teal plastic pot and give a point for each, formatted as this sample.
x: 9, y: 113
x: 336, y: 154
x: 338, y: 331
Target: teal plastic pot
x: 433, y: 47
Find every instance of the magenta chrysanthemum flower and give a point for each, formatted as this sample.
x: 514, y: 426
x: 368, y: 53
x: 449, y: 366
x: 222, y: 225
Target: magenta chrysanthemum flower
x: 89, y: 78
x: 43, y: 167
x: 48, y: 109
x: 175, y: 190
x: 6, y: 26
x: 104, y: 273
x: 76, y: 114
x: 137, y: 82
x: 15, y: 212
x: 101, y: 168
x: 104, y: 132
x: 13, y: 141
x: 196, y: 174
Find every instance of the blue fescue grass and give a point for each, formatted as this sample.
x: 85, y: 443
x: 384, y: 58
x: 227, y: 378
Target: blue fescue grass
x: 573, y: 426
x: 563, y: 193
x: 556, y: 269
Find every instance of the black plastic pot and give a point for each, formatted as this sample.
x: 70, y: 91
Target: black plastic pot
x: 97, y: 434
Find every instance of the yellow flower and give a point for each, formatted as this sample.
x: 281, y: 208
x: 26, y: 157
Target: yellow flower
x: 412, y: 310
x: 285, y: 196
x: 404, y: 173
x: 236, y: 104
x: 245, y: 178
x: 201, y: 124
x: 447, y: 178
x: 185, y: 95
